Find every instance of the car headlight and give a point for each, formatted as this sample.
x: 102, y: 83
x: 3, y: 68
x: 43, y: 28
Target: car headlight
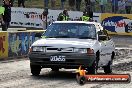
x: 80, y: 50
x: 38, y: 48
x: 90, y: 51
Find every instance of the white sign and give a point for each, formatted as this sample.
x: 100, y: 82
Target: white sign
x: 31, y: 17
x: 26, y: 17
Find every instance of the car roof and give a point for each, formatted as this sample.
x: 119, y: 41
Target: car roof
x: 75, y: 22
x: 98, y: 25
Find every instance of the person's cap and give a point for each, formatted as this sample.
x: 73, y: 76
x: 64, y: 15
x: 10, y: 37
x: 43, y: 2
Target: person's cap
x: 65, y: 9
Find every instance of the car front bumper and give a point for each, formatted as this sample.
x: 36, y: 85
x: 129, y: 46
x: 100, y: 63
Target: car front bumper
x: 72, y: 60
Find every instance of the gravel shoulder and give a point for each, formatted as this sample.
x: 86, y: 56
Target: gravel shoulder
x: 16, y: 74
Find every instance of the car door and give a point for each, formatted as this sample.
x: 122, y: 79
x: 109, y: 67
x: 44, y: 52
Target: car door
x: 109, y: 46
x: 105, y: 54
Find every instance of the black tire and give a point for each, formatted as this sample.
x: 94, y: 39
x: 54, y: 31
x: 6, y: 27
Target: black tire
x: 112, y: 56
x: 108, y: 68
x: 93, y: 68
x: 55, y: 69
x: 81, y: 80
x: 35, y: 69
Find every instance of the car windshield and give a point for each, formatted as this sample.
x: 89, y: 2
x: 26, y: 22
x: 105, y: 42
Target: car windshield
x: 71, y: 30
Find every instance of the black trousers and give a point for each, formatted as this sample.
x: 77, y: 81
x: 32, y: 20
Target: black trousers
x: 114, y: 8
x: 12, y: 2
x: 78, y: 4
x: 5, y: 26
x: 21, y: 2
x: 128, y: 9
x: 87, y: 2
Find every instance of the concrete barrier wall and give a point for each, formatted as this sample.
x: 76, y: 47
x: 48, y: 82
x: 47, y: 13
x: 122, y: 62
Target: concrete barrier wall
x: 3, y: 44
x: 16, y: 44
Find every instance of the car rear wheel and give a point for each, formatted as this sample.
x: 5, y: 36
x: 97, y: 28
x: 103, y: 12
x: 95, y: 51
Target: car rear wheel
x: 108, y: 68
x: 35, y: 69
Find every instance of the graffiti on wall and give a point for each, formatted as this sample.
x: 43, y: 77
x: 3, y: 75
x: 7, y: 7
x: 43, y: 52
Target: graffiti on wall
x: 20, y: 42
x: 2, y: 40
x: 25, y: 42
x: 15, y: 43
x: 3, y: 45
x: 31, y: 38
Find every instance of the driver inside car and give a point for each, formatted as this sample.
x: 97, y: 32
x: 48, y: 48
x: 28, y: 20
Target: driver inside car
x: 63, y: 32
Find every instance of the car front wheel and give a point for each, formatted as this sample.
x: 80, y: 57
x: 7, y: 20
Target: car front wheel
x: 35, y: 69
x: 93, y: 68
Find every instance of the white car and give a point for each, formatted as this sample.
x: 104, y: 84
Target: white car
x: 70, y: 44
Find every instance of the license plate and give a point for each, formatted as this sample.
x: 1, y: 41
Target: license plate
x: 57, y: 58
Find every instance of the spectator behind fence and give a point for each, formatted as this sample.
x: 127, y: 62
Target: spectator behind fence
x: 128, y: 6
x: 12, y: 2
x: 78, y: 4
x: 114, y: 6
x: 85, y: 16
x: 46, y: 2
x: 121, y: 6
x: 53, y: 4
x: 7, y: 15
x: 93, y: 2
x: 63, y: 16
x: 63, y: 4
x: 103, y: 4
x: 71, y: 4
x: 2, y: 10
x: 87, y: 3
x: 21, y: 2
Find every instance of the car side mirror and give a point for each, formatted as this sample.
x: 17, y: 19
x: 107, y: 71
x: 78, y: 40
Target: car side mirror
x: 38, y: 35
x: 102, y: 37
